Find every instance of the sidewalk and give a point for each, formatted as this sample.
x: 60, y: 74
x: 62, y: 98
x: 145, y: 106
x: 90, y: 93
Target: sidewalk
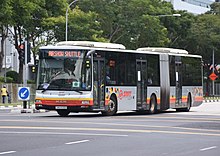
x: 7, y: 108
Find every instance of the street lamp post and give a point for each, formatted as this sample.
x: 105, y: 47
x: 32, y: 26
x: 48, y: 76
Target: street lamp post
x: 175, y: 15
x: 67, y: 16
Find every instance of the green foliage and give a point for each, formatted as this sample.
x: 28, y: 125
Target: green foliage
x: 84, y: 26
x: 5, y: 12
x: 81, y: 26
x: 8, y: 79
x: 133, y: 23
x: 13, y: 75
x: 31, y: 82
x: 178, y: 29
x: 215, y: 9
x: 204, y: 36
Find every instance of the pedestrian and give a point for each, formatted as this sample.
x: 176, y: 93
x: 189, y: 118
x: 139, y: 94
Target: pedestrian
x: 9, y: 97
x: 4, y: 93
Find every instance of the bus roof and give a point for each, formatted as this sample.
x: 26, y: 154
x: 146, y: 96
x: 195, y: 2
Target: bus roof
x: 113, y: 47
x: 163, y: 50
x: 91, y: 44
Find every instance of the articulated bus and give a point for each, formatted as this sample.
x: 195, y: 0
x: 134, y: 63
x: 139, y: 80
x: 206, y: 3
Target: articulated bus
x: 84, y: 76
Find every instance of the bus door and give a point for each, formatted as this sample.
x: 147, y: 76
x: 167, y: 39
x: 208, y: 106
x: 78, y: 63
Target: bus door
x: 141, y: 66
x: 99, y: 82
x: 178, y: 70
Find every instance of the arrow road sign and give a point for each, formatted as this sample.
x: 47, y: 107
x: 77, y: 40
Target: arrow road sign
x: 24, y: 93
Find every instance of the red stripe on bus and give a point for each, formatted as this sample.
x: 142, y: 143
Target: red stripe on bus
x: 172, y: 100
x: 67, y: 102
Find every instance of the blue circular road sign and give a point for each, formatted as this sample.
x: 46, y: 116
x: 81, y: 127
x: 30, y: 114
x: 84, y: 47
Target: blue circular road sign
x: 24, y: 93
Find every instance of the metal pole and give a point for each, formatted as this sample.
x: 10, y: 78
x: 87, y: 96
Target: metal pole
x: 5, y: 60
x: 66, y: 22
x: 25, y: 64
x: 25, y: 71
x: 213, y: 70
x: 67, y: 16
x: 173, y: 15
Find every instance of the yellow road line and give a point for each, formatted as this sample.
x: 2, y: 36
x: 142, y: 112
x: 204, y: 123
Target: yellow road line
x: 118, y: 124
x: 111, y: 130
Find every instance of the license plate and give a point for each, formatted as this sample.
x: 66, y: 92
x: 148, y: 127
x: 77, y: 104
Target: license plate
x: 61, y: 107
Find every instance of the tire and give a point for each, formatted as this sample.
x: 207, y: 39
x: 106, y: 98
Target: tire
x: 187, y: 109
x: 189, y: 104
x: 153, y: 105
x: 63, y: 113
x: 111, y: 108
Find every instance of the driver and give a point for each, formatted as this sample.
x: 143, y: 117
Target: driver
x: 68, y: 70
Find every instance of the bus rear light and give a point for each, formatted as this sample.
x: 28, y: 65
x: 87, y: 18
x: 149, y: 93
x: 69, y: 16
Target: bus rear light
x: 85, y: 102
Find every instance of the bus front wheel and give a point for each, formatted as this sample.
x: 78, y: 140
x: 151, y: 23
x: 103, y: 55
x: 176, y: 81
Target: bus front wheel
x: 63, y: 113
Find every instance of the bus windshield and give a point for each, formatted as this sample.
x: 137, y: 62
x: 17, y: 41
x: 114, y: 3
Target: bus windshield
x: 64, y: 70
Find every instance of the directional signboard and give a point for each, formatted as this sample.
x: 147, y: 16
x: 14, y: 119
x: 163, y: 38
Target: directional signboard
x: 24, y: 93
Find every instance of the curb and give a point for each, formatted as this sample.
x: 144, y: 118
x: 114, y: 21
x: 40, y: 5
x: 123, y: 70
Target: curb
x: 19, y: 109
x: 33, y: 111
x: 211, y: 99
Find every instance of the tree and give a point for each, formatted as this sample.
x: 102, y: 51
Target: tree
x: 215, y: 9
x: 27, y: 17
x: 5, y: 16
x: 178, y: 28
x: 204, y: 37
x: 81, y: 26
x: 133, y: 23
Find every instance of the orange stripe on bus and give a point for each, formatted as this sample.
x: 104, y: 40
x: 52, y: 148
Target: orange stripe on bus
x: 198, y: 98
x: 148, y: 101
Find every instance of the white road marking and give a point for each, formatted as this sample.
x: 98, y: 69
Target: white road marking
x: 76, y: 142
x: 208, y: 148
x: 7, y: 152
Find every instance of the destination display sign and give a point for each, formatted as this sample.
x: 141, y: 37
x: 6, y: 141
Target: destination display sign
x: 64, y: 53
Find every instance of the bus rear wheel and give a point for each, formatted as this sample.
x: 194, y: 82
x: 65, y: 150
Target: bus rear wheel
x: 153, y: 105
x: 112, y: 107
x: 187, y: 108
x: 63, y: 113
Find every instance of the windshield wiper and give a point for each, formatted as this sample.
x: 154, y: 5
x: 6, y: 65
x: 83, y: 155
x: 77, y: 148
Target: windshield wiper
x: 78, y: 91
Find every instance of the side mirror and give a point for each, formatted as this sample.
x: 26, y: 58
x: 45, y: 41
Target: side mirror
x: 45, y: 86
x: 89, y: 53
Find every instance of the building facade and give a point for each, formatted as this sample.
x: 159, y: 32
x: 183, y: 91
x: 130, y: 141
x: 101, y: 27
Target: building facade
x: 192, y: 6
x: 10, y: 60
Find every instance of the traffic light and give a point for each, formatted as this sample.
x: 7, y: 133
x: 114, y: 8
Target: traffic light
x: 33, y: 69
x: 28, y: 52
x: 22, y: 52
